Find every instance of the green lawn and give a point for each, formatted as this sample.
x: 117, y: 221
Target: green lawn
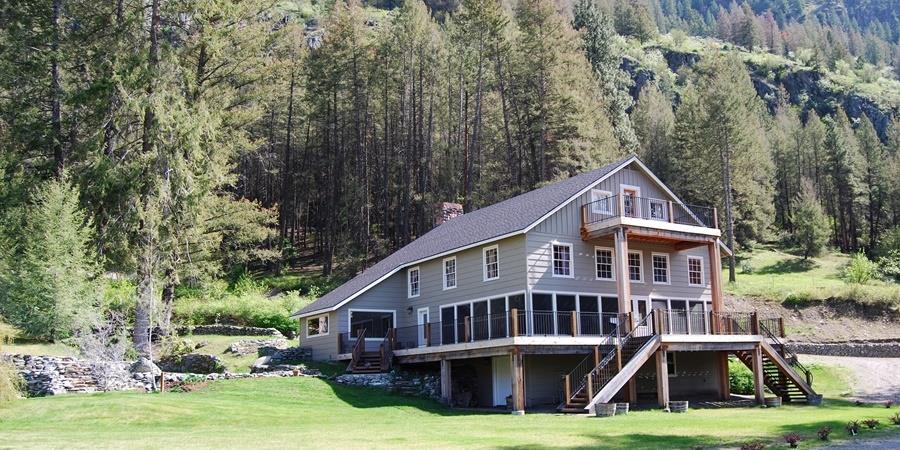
x: 769, y: 273
x: 309, y: 412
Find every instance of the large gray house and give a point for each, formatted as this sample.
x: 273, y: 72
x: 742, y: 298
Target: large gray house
x: 599, y: 287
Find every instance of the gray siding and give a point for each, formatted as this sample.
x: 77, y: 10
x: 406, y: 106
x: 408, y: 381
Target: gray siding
x: 325, y: 346
x: 564, y: 227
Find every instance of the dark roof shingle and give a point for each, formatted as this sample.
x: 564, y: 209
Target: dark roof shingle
x: 509, y: 216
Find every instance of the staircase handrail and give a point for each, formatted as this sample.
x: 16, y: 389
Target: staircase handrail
x: 358, y: 347
x: 609, y: 357
x: 581, y: 370
x: 387, y: 350
x: 790, y: 356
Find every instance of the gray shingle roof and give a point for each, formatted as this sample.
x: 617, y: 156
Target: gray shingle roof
x: 500, y: 219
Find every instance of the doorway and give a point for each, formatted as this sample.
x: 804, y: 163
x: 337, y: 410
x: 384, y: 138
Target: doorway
x: 422, y: 315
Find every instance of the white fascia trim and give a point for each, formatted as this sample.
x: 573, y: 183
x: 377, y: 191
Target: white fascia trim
x: 624, y: 164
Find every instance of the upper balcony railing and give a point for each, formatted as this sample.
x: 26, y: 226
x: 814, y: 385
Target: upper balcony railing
x: 649, y: 209
x: 516, y: 323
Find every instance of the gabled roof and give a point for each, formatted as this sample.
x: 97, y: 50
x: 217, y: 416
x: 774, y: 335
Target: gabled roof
x: 491, y: 223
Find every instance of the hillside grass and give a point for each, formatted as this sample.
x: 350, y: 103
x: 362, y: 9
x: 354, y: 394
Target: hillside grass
x: 769, y: 273
x: 310, y: 412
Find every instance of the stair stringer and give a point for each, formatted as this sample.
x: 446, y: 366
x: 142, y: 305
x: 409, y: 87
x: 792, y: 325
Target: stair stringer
x: 609, y: 390
x: 786, y: 369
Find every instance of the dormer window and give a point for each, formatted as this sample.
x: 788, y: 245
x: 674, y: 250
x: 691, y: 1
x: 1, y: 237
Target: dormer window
x: 413, y: 278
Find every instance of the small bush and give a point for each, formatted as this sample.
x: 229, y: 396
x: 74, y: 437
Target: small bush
x: 824, y: 432
x: 895, y: 419
x: 249, y: 309
x: 792, y: 439
x: 888, y: 404
x: 753, y: 446
x: 740, y: 377
x: 852, y: 427
x: 871, y: 423
x: 860, y: 270
x: 11, y: 384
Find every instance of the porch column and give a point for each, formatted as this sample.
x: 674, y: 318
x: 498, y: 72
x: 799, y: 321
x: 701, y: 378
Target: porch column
x: 623, y: 281
x: 758, y: 383
x: 724, y: 379
x: 662, y: 378
x: 715, y: 276
x: 517, y: 373
x: 446, y: 384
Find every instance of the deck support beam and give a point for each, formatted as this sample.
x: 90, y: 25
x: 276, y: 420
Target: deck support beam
x: 758, y: 382
x: 662, y: 378
x: 623, y: 286
x: 724, y: 380
x: 446, y: 384
x: 517, y: 373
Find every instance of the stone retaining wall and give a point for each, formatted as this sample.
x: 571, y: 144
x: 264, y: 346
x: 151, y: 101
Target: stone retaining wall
x: 230, y: 330
x: 53, y: 375
x: 860, y: 349
x: 420, y: 385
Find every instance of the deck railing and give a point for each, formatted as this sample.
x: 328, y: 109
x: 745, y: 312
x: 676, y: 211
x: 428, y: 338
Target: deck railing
x: 649, y: 209
x: 515, y: 323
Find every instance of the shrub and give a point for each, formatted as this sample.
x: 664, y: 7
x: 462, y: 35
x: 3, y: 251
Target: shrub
x: 753, y: 446
x: 249, y: 309
x: 740, y: 377
x: 889, y: 265
x: 824, y: 432
x: 888, y: 404
x: 811, y: 232
x: 860, y: 270
x: 11, y: 383
x: 871, y: 423
x: 792, y: 439
x: 852, y: 427
x: 895, y: 419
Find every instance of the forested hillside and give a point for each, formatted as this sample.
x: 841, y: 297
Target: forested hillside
x: 174, y: 143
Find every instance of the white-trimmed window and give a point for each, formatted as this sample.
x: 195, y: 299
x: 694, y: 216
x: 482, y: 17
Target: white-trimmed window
x: 412, y: 276
x: 491, y: 263
x: 562, y: 260
x: 317, y: 326
x: 605, y: 266
x: 600, y: 201
x: 660, y: 268
x: 450, y: 273
x: 695, y: 270
x: 659, y: 209
x: 635, y: 269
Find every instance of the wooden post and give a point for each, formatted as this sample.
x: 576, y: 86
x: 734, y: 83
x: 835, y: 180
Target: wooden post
x: 446, y: 385
x: 596, y: 356
x: 619, y: 356
x: 662, y: 378
x: 341, y: 342
x: 466, y: 333
x: 623, y: 281
x: 715, y: 218
x: 518, y: 382
x: 574, y: 324
x: 162, y: 382
x: 715, y: 276
x: 590, y: 386
x: 758, y: 383
x: 514, y: 321
x: 584, y: 216
x: 428, y: 335
x: 781, y: 327
x: 754, y: 323
x: 671, y: 212
x: 724, y: 379
x: 568, y: 387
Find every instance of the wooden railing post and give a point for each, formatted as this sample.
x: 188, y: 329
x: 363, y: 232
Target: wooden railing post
x: 619, y: 356
x: 596, y: 356
x: 590, y: 386
x: 427, y: 335
x: 781, y: 332
x: 584, y: 215
x: 715, y: 223
x: 671, y: 212
x: 514, y: 324
x: 467, y: 333
x: 568, y: 387
x: 754, y: 323
x: 574, y: 324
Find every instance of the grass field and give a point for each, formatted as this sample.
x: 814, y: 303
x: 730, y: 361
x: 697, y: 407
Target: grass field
x: 309, y: 412
x: 771, y: 274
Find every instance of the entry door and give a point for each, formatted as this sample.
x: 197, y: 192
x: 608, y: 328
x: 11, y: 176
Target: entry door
x: 639, y: 308
x: 502, y: 379
x: 423, y: 319
x: 629, y: 202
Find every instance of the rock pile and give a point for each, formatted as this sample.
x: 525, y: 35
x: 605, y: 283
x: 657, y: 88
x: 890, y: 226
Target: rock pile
x: 230, y: 330
x: 263, y: 347
x: 192, y: 363
x: 52, y: 375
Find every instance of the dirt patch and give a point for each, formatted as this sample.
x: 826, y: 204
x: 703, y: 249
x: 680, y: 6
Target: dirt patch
x: 827, y: 321
x: 874, y: 379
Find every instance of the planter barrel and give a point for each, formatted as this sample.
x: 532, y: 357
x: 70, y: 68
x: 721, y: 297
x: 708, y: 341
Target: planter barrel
x: 621, y: 408
x: 678, y: 406
x: 605, y: 409
x: 814, y: 400
x: 773, y: 402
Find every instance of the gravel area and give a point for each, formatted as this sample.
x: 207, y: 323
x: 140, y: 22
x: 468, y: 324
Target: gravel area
x: 876, y: 379
x: 892, y: 442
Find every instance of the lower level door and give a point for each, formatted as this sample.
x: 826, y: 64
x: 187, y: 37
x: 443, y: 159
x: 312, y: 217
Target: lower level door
x: 502, y: 376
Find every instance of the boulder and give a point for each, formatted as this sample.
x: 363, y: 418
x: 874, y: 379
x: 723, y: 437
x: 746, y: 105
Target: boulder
x: 144, y: 365
x: 193, y: 363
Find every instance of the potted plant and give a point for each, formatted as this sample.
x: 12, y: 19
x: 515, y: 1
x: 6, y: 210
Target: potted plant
x: 792, y: 439
x: 852, y: 427
x: 824, y: 432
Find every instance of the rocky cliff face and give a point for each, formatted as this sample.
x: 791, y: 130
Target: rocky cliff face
x: 802, y: 87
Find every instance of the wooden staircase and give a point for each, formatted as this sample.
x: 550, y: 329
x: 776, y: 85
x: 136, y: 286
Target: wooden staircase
x: 617, y: 367
x: 378, y: 361
x: 782, y: 371
x: 368, y: 362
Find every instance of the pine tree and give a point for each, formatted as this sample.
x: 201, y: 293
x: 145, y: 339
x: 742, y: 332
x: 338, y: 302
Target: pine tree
x: 842, y: 167
x: 873, y: 181
x: 654, y: 121
x: 811, y: 231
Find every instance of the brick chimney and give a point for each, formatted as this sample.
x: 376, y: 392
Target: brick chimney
x: 446, y: 211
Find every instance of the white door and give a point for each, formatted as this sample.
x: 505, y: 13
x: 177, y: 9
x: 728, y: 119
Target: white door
x: 502, y: 379
x: 423, y: 319
x: 639, y: 309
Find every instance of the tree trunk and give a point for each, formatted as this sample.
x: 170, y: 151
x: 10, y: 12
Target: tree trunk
x: 59, y: 155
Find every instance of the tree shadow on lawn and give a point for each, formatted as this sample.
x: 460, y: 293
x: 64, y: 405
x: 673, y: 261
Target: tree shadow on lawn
x: 368, y: 397
x: 793, y: 265
x: 637, y: 442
